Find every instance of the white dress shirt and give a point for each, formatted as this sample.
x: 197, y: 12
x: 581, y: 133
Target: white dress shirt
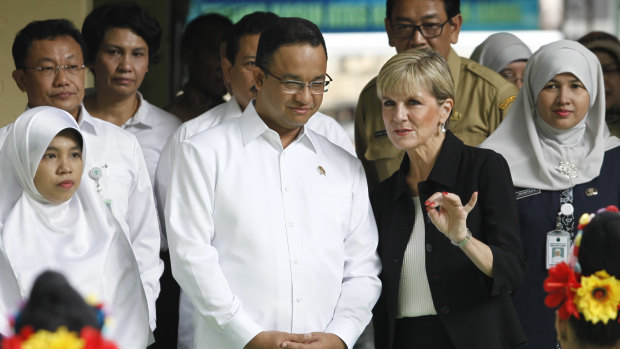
x: 264, y: 238
x: 210, y: 118
x: 320, y: 123
x: 125, y: 182
x: 152, y: 126
x: 126, y: 186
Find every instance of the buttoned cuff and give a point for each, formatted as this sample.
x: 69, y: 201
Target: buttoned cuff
x: 343, y: 328
x: 241, y: 329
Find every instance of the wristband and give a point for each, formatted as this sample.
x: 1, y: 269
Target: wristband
x: 464, y: 241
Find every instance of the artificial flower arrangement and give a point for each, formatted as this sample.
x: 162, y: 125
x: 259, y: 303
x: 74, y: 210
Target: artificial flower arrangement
x: 89, y: 338
x: 597, y: 296
x: 62, y: 338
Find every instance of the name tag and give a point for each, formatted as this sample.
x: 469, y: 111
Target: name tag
x: 558, y: 246
x: 526, y: 193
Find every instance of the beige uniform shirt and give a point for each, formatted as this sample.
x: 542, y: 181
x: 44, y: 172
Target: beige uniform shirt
x: 483, y: 98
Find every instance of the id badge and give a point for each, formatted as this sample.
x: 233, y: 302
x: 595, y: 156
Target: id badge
x: 558, y: 246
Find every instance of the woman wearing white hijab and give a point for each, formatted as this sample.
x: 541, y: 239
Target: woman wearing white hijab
x: 505, y: 54
x: 563, y: 163
x: 51, y: 217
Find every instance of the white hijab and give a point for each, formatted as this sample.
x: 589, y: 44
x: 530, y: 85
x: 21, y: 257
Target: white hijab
x: 499, y: 50
x: 79, y: 238
x: 533, y: 148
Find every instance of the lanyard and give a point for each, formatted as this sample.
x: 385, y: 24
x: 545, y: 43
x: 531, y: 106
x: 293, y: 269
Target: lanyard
x: 566, y: 220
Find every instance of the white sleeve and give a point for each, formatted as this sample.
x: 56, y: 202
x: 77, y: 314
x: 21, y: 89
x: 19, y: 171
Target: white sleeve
x: 144, y: 232
x: 190, y: 228
x: 361, y: 286
x: 162, y: 178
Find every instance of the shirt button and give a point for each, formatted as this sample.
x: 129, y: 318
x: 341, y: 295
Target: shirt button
x: 296, y: 261
x: 286, y: 188
x: 291, y: 224
x: 299, y: 300
x: 429, y: 248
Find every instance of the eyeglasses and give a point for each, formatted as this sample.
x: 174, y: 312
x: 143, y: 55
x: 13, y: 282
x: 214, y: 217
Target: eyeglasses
x: 293, y: 87
x: 428, y: 30
x: 48, y: 71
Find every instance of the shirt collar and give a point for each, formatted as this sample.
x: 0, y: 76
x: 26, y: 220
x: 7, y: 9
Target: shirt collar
x: 444, y: 172
x: 252, y: 127
x: 141, y: 116
x: 86, y: 121
x: 232, y: 107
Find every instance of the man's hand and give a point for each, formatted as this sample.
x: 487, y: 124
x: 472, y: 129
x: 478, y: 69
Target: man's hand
x: 317, y: 340
x: 275, y: 339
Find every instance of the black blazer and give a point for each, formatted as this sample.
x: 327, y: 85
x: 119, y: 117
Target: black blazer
x: 476, y: 310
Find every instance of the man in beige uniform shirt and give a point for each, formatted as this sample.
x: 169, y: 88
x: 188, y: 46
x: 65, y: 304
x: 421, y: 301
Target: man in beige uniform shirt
x: 482, y: 96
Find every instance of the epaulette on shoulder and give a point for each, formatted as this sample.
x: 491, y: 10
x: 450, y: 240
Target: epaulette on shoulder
x: 504, y: 104
x: 485, y: 73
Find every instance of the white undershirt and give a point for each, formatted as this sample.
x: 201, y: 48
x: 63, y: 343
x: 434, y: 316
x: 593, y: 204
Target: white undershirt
x: 414, y: 293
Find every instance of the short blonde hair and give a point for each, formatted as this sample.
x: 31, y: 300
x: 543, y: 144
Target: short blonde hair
x: 415, y: 70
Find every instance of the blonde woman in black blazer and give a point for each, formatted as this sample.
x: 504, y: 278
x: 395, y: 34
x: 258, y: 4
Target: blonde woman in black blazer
x: 448, y: 268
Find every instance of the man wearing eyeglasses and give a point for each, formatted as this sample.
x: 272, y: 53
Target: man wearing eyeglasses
x: 238, y: 70
x: 482, y: 98
x: 50, y: 69
x: 270, y: 230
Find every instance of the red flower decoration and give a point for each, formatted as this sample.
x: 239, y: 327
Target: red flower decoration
x: 94, y: 339
x: 611, y: 208
x: 11, y: 343
x: 561, y: 285
x: 16, y: 341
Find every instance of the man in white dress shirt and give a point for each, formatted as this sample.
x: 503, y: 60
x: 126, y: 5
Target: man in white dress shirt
x: 50, y: 69
x: 270, y: 229
x: 238, y: 70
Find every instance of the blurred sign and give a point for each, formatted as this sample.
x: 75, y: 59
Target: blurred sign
x: 368, y: 15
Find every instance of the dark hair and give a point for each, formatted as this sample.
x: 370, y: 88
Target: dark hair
x: 250, y: 24
x: 126, y: 15
x: 42, y: 30
x: 203, y: 25
x: 287, y: 31
x: 54, y: 303
x: 598, y: 251
x: 452, y: 7
x: 601, y: 41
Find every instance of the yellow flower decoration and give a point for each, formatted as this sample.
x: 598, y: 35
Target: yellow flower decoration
x: 585, y: 219
x: 598, y: 297
x: 61, y: 339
